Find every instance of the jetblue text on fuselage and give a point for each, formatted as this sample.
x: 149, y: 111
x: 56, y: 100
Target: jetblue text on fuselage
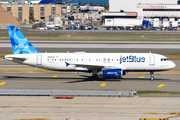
x: 131, y: 58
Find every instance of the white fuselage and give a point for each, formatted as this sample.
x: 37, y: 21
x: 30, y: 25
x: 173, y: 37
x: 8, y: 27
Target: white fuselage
x: 125, y: 61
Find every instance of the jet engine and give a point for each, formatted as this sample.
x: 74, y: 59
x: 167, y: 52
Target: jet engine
x: 111, y: 73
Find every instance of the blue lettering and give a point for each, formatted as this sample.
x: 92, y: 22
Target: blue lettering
x: 143, y: 59
x: 120, y: 59
x: 138, y: 60
x: 124, y: 59
x: 131, y: 59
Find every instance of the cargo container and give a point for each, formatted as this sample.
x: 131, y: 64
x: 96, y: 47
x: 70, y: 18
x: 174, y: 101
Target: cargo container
x: 156, y: 24
x: 165, y: 23
x: 174, y: 23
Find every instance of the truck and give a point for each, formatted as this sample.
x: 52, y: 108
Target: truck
x: 57, y: 23
x: 123, y: 22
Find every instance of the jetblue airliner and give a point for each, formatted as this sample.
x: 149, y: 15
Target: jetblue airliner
x: 108, y: 65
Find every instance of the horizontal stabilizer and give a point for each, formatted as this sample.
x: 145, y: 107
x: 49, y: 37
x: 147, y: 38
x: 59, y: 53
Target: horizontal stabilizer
x: 14, y: 57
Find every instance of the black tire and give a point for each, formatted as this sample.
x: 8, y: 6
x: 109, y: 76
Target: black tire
x: 92, y: 78
x: 96, y: 77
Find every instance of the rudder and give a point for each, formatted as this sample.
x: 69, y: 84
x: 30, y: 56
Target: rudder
x: 20, y: 44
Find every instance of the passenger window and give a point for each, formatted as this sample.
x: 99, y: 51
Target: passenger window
x: 162, y: 59
x: 59, y: 59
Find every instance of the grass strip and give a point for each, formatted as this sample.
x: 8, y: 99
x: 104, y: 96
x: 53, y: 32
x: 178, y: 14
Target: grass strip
x: 99, y: 38
x: 139, y: 92
x: 157, y: 93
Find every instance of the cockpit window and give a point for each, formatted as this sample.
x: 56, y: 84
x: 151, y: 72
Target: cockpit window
x: 164, y: 59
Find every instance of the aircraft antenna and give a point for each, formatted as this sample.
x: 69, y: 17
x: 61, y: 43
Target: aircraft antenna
x: 150, y: 52
x: 67, y: 51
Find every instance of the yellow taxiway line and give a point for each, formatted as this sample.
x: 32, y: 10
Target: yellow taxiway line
x: 103, y: 84
x: 161, y: 85
x: 2, y: 83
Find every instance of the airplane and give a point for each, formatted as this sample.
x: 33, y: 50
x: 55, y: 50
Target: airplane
x: 107, y: 65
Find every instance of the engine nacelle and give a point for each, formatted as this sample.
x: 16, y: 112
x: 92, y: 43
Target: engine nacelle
x: 111, y: 73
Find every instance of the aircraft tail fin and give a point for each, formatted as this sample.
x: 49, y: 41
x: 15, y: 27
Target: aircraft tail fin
x: 20, y: 44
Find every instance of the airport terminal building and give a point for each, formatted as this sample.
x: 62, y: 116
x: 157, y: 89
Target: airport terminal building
x: 147, y: 8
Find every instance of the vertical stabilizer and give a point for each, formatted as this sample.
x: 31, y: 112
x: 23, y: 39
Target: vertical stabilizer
x: 20, y: 44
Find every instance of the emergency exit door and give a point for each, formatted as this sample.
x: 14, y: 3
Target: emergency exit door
x: 39, y: 60
x: 151, y: 60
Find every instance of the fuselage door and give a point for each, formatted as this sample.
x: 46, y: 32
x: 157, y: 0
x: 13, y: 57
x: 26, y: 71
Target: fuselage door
x: 39, y: 60
x: 151, y: 60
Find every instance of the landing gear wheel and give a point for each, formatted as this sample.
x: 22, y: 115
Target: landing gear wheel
x: 95, y: 77
x: 152, y: 78
x: 92, y: 78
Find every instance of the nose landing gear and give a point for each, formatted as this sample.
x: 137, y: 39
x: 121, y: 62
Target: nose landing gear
x: 151, y: 75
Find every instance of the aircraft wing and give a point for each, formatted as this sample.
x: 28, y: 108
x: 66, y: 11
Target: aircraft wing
x: 88, y: 66
x: 97, y: 67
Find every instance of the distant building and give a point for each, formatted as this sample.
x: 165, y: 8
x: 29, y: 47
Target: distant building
x: 104, y: 3
x: 147, y: 8
x: 27, y: 13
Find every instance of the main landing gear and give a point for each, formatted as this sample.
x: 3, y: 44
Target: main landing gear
x: 151, y: 75
x: 94, y: 76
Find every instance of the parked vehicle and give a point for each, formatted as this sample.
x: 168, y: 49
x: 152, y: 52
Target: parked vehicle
x: 108, y: 28
x: 89, y: 28
x: 42, y: 28
x: 96, y: 29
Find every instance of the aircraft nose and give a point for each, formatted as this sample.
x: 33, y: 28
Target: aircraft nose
x: 172, y: 65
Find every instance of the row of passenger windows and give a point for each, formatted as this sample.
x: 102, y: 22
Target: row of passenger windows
x: 82, y: 59
x: 164, y: 59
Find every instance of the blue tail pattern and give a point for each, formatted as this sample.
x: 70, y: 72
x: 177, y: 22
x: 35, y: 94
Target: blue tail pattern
x: 20, y: 44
